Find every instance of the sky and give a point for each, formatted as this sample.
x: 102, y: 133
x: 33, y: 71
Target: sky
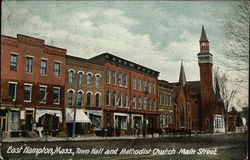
x: 155, y: 34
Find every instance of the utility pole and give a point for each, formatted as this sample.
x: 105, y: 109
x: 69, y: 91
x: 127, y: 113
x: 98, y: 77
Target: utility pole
x: 74, y: 120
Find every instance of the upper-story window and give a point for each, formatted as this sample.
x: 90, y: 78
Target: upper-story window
x: 125, y: 80
x: 27, y: 92
x: 70, y: 76
x: 89, y: 79
x: 154, y: 105
x: 149, y: 104
x: 79, y: 99
x: 144, y: 86
x: 114, y: 99
x: 97, y: 100
x: 80, y: 78
x: 43, y: 67
x: 108, y: 77
x: 120, y: 79
x: 134, y: 102
x: 149, y: 87
x: 29, y: 63
x: 160, y: 98
x: 12, y: 91
x: 57, y: 69
x: 125, y: 100
x: 114, y: 77
x: 108, y: 98
x: 97, y: 81
x: 170, y: 100
x: 13, y: 62
x: 134, y: 83
x: 119, y: 100
x: 70, y: 98
x: 145, y: 103
x: 42, y: 94
x: 153, y: 88
x: 139, y: 103
x: 56, y: 95
x: 89, y: 99
x: 139, y: 84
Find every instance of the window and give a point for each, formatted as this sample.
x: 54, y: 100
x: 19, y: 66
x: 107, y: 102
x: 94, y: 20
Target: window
x: 114, y: 78
x: 43, y: 67
x: 13, y: 62
x: 125, y: 80
x: 119, y: 102
x: 149, y: 87
x: 108, y: 98
x: 145, y: 104
x: 139, y: 103
x: 139, y: 84
x: 97, y: 81
x: 57, y: 69
x: 13, y: 120
x: 80, y: 78
x: 163, y: 99
x: 153, y: 87
x: 71, y: 76
x: 70, y: 98
x: 154, y: 105
x: 12, y: 91
x: 120, y: 79
x: 88, y: 79
x: 170, y: 100
x: 182, y: 115
x: 167, y: 100
x: 160, y: 98
x: 149, y: 104
x: 29, y: 63
x: 134, y: 102
x: 144, y: 86
x: 97, y: 100
x: 134, y: 83
x: 88, y: 99
x: 79, y: 99
x: 27, y: 92
x: 114, y: 99
x: 108, y: 77
x: 56, y: 95
x: 42, y: 94
x: 125, y: 100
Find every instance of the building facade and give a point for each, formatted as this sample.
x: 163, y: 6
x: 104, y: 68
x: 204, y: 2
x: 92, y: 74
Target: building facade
x: 32, y: 84
x: 166, y: 107
x: 130, y: 93
x: 84, y: 91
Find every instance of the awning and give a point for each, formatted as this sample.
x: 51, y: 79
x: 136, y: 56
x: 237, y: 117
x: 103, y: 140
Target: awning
x: 41, y: 112
x: 81, y: 117
x: 95, y: 112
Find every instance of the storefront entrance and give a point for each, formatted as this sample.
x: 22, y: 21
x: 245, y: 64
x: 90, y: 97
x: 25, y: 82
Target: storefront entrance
x: 29, y: 120
x: 3, y: 120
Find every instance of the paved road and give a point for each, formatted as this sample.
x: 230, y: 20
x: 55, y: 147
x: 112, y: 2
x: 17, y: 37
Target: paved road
x: 216, y: 147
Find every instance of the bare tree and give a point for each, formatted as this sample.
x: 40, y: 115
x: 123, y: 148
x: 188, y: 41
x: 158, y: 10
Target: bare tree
x: 225, y: 91
x: 237, y: 33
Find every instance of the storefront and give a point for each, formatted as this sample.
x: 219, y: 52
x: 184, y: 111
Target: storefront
x: 95, y: 117
x: 166, y: 118
x: 121, y: 121
x: 137, y: 120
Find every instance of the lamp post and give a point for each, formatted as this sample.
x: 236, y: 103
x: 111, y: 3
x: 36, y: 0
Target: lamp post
x: 74, y: 120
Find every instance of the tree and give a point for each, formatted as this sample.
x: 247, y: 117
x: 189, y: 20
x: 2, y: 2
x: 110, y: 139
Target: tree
x: 245, y: 113
x: 224, y: 91
x: 239, y: 121
x: 237, y: 33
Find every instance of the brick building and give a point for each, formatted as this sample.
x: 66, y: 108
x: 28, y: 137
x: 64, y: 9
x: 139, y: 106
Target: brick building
x: 130, y: 93
x: 84, y: 80
x: 32, y: 84
x: 165, y: 104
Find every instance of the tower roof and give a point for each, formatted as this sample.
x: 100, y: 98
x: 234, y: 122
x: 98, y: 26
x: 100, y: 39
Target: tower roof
x: 182, y: 76
x: 203, y: 35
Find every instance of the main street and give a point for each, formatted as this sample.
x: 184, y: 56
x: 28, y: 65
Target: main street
x: 219, y: 147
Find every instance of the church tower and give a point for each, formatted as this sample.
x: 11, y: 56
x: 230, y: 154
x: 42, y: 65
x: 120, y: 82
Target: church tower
x: 205, y: 61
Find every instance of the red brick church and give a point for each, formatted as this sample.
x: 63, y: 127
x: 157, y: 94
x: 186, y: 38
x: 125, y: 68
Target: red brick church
x: 197, y: 106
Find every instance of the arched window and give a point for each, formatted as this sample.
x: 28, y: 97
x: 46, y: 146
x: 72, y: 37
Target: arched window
x: 108, y: 98
x: 70, y: 98
x: 71, y: 76
x: 125, y: 80
x: 119, y: 100
x: 145, y: 104
x: 114, y: 99
x: 79, y: 99
x: 125, y: 100
x: 97, y: 100
x: 97, y: 81
x: 139, y: 103
x: 88, y: 99
x: 80, y: 78
x: 120, y: 79
x: 182, y: 115
x: 88, y: 79
x: 149, y: 104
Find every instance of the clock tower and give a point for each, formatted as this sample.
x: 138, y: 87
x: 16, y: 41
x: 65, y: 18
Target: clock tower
x: 205, y: 61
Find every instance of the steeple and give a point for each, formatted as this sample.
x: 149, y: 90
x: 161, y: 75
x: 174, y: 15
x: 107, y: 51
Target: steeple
x: 203, y: 35
x: 182, y: 76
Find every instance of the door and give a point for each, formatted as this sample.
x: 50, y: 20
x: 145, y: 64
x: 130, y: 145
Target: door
x: 3, y: 121
x: 29, y: 120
